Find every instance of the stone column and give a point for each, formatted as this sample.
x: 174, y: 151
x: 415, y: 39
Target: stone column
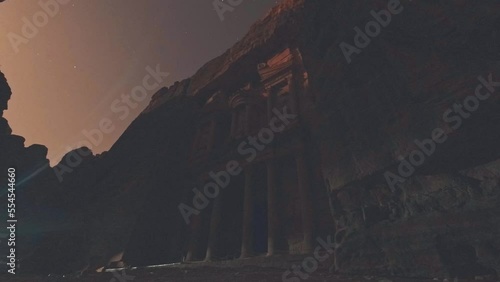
x: 272, y: 209
x: 233, y: 123
x: 214, y: 226
x: 248, y: 117
x: 305, y: 201
x: 211, y: 138
x: 194, y: 237
x: 248, y: 207
x: 270, y: 104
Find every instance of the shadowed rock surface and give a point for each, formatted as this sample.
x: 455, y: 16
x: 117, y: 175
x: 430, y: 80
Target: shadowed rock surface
x: 356, y: 121
x: 38, y: 203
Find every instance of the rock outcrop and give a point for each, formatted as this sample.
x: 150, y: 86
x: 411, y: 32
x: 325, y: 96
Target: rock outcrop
x: 37, y: 199
x: 5, y: 93
x: 426, y: 215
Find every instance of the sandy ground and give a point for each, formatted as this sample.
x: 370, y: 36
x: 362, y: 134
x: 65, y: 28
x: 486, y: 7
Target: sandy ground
x: 250, y: 274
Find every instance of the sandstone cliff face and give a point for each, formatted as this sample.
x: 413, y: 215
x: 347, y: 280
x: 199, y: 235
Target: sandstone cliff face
x: 363, y: 117
x: 140, y: 181
x: 368, y: 113
x: 440, y: 220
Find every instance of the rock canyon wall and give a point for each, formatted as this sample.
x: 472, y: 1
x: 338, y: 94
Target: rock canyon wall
x: 391, y: 149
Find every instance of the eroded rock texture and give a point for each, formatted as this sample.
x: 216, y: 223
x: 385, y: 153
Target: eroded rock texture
x: 327, y: 172
x: 399, y: 89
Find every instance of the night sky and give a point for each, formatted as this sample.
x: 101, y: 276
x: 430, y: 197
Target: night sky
x: 90, y: 52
